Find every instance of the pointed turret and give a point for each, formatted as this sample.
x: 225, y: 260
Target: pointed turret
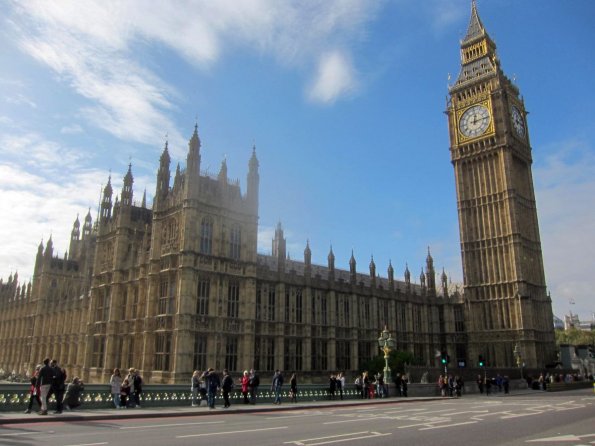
x: 478, y: 52
x: 76, y: 229
x: 49, y: 249
x: 88, y: 225
x: 253, y: 180
x: 38, y: 258
x: 352, y: 270
x: 407, y: 276
x: 331, y: 264
x: 177, y: 178
x: 279, y: 247
x: 391, y: 276
x: 106, y: 201
x: 307, y: 259
x: 144, y: 202
x: 222, y: 177
x: 127, y: 187
x: 444, y: 281
x: 372, y: 268
x: 430, y: 274
x: 193, y: 165
x: 163, y: 175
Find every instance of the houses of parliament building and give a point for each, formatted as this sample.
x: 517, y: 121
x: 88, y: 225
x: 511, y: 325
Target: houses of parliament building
x: 180, y: 286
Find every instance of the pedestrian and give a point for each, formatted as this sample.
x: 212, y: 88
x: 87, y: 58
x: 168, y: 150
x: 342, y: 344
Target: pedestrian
x: 46, y: 375
x: 332, y: 387
x: 34, y: 390
x: 194, y: 388
x: 244, y: 381
x: 480, y: 383
x: 276, y: 386
x: 341, y: 384
x: 253, y: 384
x: 404, y: 383
x: 293, y: 388
x: 136, y: 387
x: 115, y: 382
x: 366, y: 384
x: 398, y: 384
x: 213, y: 384
x: 58, y: 384
x: 124, y: 393
x: 358, y: 386
x: 226, y: 387
x: 506, y: 384
x: 380, y: 385
x: 72, y: 399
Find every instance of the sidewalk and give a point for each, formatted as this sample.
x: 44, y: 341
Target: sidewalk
x: 164, y: 412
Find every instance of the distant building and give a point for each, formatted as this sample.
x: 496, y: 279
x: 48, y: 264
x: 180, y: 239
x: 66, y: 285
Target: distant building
x: 179, y: 286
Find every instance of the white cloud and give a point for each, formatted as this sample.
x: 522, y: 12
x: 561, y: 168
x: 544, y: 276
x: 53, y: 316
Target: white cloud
x: 20, y: 99
x: 335, y: 78
x: 71, y: 129
x: 565, y: 189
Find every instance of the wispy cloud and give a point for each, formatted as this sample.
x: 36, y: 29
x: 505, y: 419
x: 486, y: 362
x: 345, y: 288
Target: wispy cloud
x: 20, y: 99
x: 565, y: 189
x: 335, y: 78
x: 71, y: 129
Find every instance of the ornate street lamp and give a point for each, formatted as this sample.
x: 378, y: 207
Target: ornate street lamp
x: 386, y: 343
x: 519, y: 358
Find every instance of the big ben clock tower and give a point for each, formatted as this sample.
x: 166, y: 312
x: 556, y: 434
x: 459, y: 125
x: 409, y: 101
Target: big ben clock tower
x: 504, y: 282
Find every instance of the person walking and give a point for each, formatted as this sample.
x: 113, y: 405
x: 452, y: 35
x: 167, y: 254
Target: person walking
x: 194, y: 388
x: 341, y: 384
x: 46, y: 374
x: 332, y: 387
x: 293, y: 388
x: 253, y: 384
x: 244, y: 381
x: 34, y: 390
x: 213, y: 385
x: 276, y: 386
x: 58, y: 385
x: 226, y: 388
x: 115, y: 382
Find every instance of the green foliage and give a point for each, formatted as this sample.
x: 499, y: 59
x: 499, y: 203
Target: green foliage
x: 575, y: 337
x: 396, y: 361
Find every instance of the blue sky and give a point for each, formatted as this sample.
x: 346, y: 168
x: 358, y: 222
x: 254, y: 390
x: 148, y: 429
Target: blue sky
x: 344, y: 101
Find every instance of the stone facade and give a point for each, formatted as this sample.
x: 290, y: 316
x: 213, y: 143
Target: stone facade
x: 504, y: 280
x: 179, y: 286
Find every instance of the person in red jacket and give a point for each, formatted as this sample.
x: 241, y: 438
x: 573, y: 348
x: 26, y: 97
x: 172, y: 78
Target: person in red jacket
x: 34, y: 390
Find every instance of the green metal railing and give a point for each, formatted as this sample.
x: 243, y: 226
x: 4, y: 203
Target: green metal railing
x: 15, y: 397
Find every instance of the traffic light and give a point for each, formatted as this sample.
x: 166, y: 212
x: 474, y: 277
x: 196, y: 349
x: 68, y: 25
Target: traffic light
x: 481, y: 361
x: 444, y: 358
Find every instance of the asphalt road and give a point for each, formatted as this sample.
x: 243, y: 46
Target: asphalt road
x: 565, y: 418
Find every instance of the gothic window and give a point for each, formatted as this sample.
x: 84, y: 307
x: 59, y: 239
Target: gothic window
x: 103, y: 304
x: 231, y: 353
x: 233, y: 300
x: 323, y: 311
x: 169, y: 235
x: 200, y: 352
x: 235, y: 242
x: 98, y: 351
x: 134, y: 304
x: 298, y: 307
x: 270, y: 311
x: 319, y: 354
x: 459, y: 319
x: 364, y: 350
x: 258, y: 315
x: 206, y: 236
x: 202, y: 305
x: 130, y: 349
x: 286, y: 311
x: 123, y: 305
x: 343, y: 355
x: 166, y: 296
x: 266, y: 353
x: 293, y: 355
x: 346, y: 312
x: 162, y: 351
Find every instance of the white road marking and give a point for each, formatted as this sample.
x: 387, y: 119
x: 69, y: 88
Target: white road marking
x: 337, y: 438
x: 232, y: 432
x: 569, y: 437
x: 15, y: 434
x: 88, y: 444
x: 447, y: 425
x: 170, y: 425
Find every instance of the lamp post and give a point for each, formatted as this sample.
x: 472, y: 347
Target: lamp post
x: 519, y: 358
x: 386, y: 343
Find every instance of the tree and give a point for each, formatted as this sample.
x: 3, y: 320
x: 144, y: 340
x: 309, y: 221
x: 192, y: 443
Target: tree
x: 574, y: 336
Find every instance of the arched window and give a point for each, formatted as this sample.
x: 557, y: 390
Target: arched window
x: 235, y: 242
x: 206, y: 236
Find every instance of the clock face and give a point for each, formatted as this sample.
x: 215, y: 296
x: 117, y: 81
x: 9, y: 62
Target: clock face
x: 518, y: 123
x: 474, y: 121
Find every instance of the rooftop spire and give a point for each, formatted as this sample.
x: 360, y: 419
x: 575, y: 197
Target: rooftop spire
x: 475, y: 28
